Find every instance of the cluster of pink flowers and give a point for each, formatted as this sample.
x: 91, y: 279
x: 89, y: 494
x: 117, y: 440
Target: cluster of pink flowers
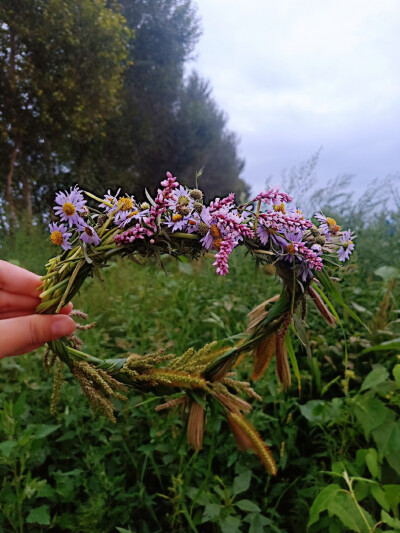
x: 273, y: 197
x: 265, y: 223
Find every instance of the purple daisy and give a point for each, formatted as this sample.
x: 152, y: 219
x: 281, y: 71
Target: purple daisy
x: 124, y: 218
x: 70, y: 204
x: 266, y: 232
x: 88, y: 235
x: 175, y: 222
x: 180, y: 199
x: 60, y: 235
x: 328, y: 225
x: 347, y: 245
x: 110, y: 199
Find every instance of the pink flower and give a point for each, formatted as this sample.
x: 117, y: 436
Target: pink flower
x: 222, y: 256
x: 273, y: 196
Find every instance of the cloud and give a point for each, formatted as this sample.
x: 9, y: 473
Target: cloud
x: 293, y: 76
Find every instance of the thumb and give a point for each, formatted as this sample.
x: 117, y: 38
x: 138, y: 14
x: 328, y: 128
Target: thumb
x: 27, y: 333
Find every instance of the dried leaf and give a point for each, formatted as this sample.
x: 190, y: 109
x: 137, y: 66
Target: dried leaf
x: 263, y: 354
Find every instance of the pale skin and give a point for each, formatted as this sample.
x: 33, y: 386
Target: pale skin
x: 21, y: 330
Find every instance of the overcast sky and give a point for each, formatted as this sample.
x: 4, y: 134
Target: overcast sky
x: 294, y: 75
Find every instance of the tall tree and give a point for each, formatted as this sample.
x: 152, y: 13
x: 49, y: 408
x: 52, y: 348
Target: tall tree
x: 201, y: 138
x: 61, y: 66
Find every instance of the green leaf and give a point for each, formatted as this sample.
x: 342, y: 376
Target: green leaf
x: 7, y: 447
x: 380, y: 497
x: 231, y: 524
x: 150, y: 199
x: 334, y: 292
x: 392, y: 494
x: 40, y: 515
x: 396, y: 374
x: 377, y: 376
x: 387, y: 272
x: 44, y: 430
x: 300, y: 330
x: 321, y: 502
x: 123, y: 530
x: 293, y: 360
x: 382, y: 347
x: 247, y: 505
x: 211, y: 512
x: 370, y: 413
x: 371, y: 460
x: 344, y: 507
x: 242, y: 482
x: 390, y: 521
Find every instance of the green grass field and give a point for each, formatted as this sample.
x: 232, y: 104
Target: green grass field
x: 78, y: 472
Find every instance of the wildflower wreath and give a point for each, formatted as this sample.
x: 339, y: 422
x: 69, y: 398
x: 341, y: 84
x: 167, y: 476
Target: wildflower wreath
x: 176, y: 222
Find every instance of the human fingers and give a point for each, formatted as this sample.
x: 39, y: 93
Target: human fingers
x: 18, y: 280
x: 27, y: 333
x: 67, y: 309
x: 14, y: 314
x: 10, y: 302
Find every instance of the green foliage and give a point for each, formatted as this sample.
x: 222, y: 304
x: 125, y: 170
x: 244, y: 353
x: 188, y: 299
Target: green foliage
x: 337, y: 451
x: 61, y: 66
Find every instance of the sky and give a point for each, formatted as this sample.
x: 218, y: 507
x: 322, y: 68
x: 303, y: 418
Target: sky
x: 295, y: 75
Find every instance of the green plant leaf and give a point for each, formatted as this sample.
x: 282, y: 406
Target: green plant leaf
x: 382, y: 347
x: 387, y: 272
x: 392, y: 494
x: 44, y: 431
x: 7, y: 447
x: 40, y: 515
x: 371, y: 459
x: 231, y: 524
x: 396, y: 374
x: 377, y: 376
x: 242, y: 482
x: 247, y: 505
x: 334, y: 292
x: 321, y: 503
x: 370, y: 412
x: 211, y: 512
x: 380, y: 497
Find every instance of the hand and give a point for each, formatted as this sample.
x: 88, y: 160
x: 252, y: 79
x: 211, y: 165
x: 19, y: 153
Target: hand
x: 21, y: 330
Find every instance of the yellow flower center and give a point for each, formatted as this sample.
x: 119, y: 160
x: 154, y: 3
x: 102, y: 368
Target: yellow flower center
x: 217, y: 243
x: 280, y: 208
x: 333, y: 227
x: 132, y: 214
x: 69, y: 209
x: 57, y: 238
x: 183, y: 200
x: 176, y: 217
x: 125, y: 204
x: 215, y: 233
x: 290, y: 248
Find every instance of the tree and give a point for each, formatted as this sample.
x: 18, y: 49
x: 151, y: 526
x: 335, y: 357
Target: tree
x: 61, y: 64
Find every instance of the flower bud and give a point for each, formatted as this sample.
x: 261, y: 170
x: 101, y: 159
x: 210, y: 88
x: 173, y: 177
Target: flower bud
x: 196, y: 194
x: 198, y: 207
x: 269, y: 270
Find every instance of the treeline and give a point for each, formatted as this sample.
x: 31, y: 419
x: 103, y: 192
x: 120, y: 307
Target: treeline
x: 93, y: 92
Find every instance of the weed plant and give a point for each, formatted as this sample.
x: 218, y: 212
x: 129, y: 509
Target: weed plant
x: 337, y: 452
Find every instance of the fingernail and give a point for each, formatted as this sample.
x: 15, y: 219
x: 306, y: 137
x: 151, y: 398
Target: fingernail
x: 61, y: 326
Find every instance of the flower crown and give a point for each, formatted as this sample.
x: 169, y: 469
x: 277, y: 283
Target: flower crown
x: 176, y: 222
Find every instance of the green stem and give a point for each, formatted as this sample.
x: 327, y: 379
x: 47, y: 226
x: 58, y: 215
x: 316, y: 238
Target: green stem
x: 70, y: 283
x: 186, y: 236
x: 53, y: 288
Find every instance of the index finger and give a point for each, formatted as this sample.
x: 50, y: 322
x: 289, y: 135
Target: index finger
x: 17, y: 280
